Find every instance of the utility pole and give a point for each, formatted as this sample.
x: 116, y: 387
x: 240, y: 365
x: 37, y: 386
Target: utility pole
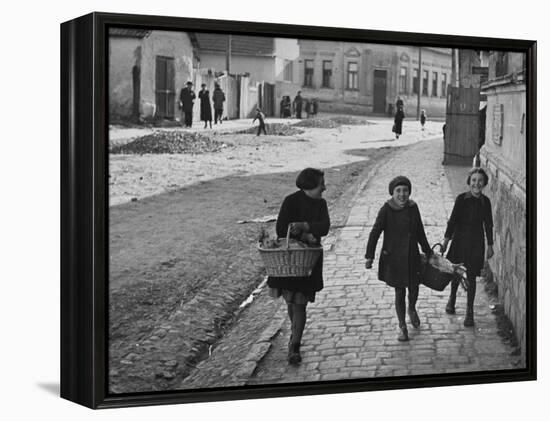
x: 228, y: 55
x: 419, y: 82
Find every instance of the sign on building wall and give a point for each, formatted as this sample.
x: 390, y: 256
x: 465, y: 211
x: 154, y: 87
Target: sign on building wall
x: 498, y: 123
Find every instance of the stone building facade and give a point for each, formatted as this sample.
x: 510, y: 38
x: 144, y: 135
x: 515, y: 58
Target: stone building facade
x: 367, y: 78
x: 147, y: 69
x: 504, y: 156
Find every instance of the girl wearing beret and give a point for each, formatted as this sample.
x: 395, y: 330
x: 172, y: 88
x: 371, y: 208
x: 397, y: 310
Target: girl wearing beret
x: 471, y: 222
x: 399, y: 265
x: 306, y: 212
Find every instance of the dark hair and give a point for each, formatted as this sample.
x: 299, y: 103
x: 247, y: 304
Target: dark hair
x: 309, y: 178
x: 477, y: 170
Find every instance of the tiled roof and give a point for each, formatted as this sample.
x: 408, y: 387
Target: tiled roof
x: 129, y: 32
x: 240, y: 44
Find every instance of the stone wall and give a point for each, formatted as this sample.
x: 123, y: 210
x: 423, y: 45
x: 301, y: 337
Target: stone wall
x: 508, y: 266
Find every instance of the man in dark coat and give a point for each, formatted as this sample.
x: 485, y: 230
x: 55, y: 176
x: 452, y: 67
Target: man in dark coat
x: 187, y: 98
x: 219, y: 98
x: 297, y: 104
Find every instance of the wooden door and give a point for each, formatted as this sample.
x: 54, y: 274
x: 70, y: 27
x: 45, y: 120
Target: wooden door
x: 165, y: 88
x: 379, y: 100
x: 462, y: 134
x: 269, y: 99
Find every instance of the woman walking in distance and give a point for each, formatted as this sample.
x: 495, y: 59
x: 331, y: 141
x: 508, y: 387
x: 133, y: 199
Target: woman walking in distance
x: 206, y: 108
x: 219, y: 98
x: 306, y: 212
x: 471, y: 222
x: 399, y: 265
x: 398, y: 122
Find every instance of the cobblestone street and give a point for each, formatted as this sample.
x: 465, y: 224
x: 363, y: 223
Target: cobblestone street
x: 352, y: 327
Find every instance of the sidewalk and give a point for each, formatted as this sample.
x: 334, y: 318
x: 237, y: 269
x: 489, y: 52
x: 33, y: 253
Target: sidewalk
x: 351, y: 328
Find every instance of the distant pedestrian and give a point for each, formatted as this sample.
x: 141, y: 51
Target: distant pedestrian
x: 206, y: 107
x: 187, y: 99
x: 399, y: 265
x: 399, y: 103
x: 314, y: 106
x: 286, y: 107
x: 261, y: 119
x: 219, y: 98
x: 306, y: 212
x: 469, y: 226
x: 307, y: 107
x: 297, y: 104
x: 398, y: 122
x: 423, y: 118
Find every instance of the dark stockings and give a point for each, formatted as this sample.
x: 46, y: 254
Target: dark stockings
x: 400, y: 306
x: 470, y: 296
x: 297, y: 315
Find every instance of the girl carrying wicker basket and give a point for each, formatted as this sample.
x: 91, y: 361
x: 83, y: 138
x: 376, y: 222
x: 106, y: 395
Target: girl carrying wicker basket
x: 470, y: 224
x: 306, y: 212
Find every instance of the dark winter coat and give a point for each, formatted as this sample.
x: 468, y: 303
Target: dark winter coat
x: 398, y: 121
x: 206, y: 108
x: 297, y: 103
x: 470, y: 222
x: 399, y: 264
x: 187, y: 98
x: 299, y: 207
x: 218, y: 97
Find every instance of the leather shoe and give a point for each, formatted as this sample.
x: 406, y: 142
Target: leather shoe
x: 413, y: 317
x: 403, y: 334
x: 469, y: 319
x: 450, y: 307
x: 294, y: 356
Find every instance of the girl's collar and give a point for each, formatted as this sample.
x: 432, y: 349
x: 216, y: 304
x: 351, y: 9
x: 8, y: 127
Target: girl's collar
x: 410, y: 203
x: 469, y: 195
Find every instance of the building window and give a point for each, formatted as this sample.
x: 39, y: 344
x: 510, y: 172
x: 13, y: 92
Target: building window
x: 434, y: 84
x: 443, y: 84
x: 415, y: 81
x: 403, y: 80
x: 308, y: 74
x: 352, y: 76
x: 425, y: 82
x: 327, y: 74
x: 287, y: 73
x: 501, y: 64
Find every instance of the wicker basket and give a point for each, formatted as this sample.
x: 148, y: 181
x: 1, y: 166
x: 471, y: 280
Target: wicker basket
x: 437, y: 280
x: 289, y: 262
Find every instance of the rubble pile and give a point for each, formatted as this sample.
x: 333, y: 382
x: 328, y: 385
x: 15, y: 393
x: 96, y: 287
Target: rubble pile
x: 331, y: 122
x: 170, y: 142
x: 274, y: 129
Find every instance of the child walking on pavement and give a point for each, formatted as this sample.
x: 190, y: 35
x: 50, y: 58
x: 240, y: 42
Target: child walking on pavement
x: 470, y: 219
x: 260, y: 117
x: 399, y: 265
x: 306, y: 212
x: 423, y: 118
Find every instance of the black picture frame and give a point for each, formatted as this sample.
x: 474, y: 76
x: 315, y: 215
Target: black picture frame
x: 84, y: 209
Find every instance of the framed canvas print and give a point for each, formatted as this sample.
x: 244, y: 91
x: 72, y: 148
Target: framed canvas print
x: 258, y: 210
